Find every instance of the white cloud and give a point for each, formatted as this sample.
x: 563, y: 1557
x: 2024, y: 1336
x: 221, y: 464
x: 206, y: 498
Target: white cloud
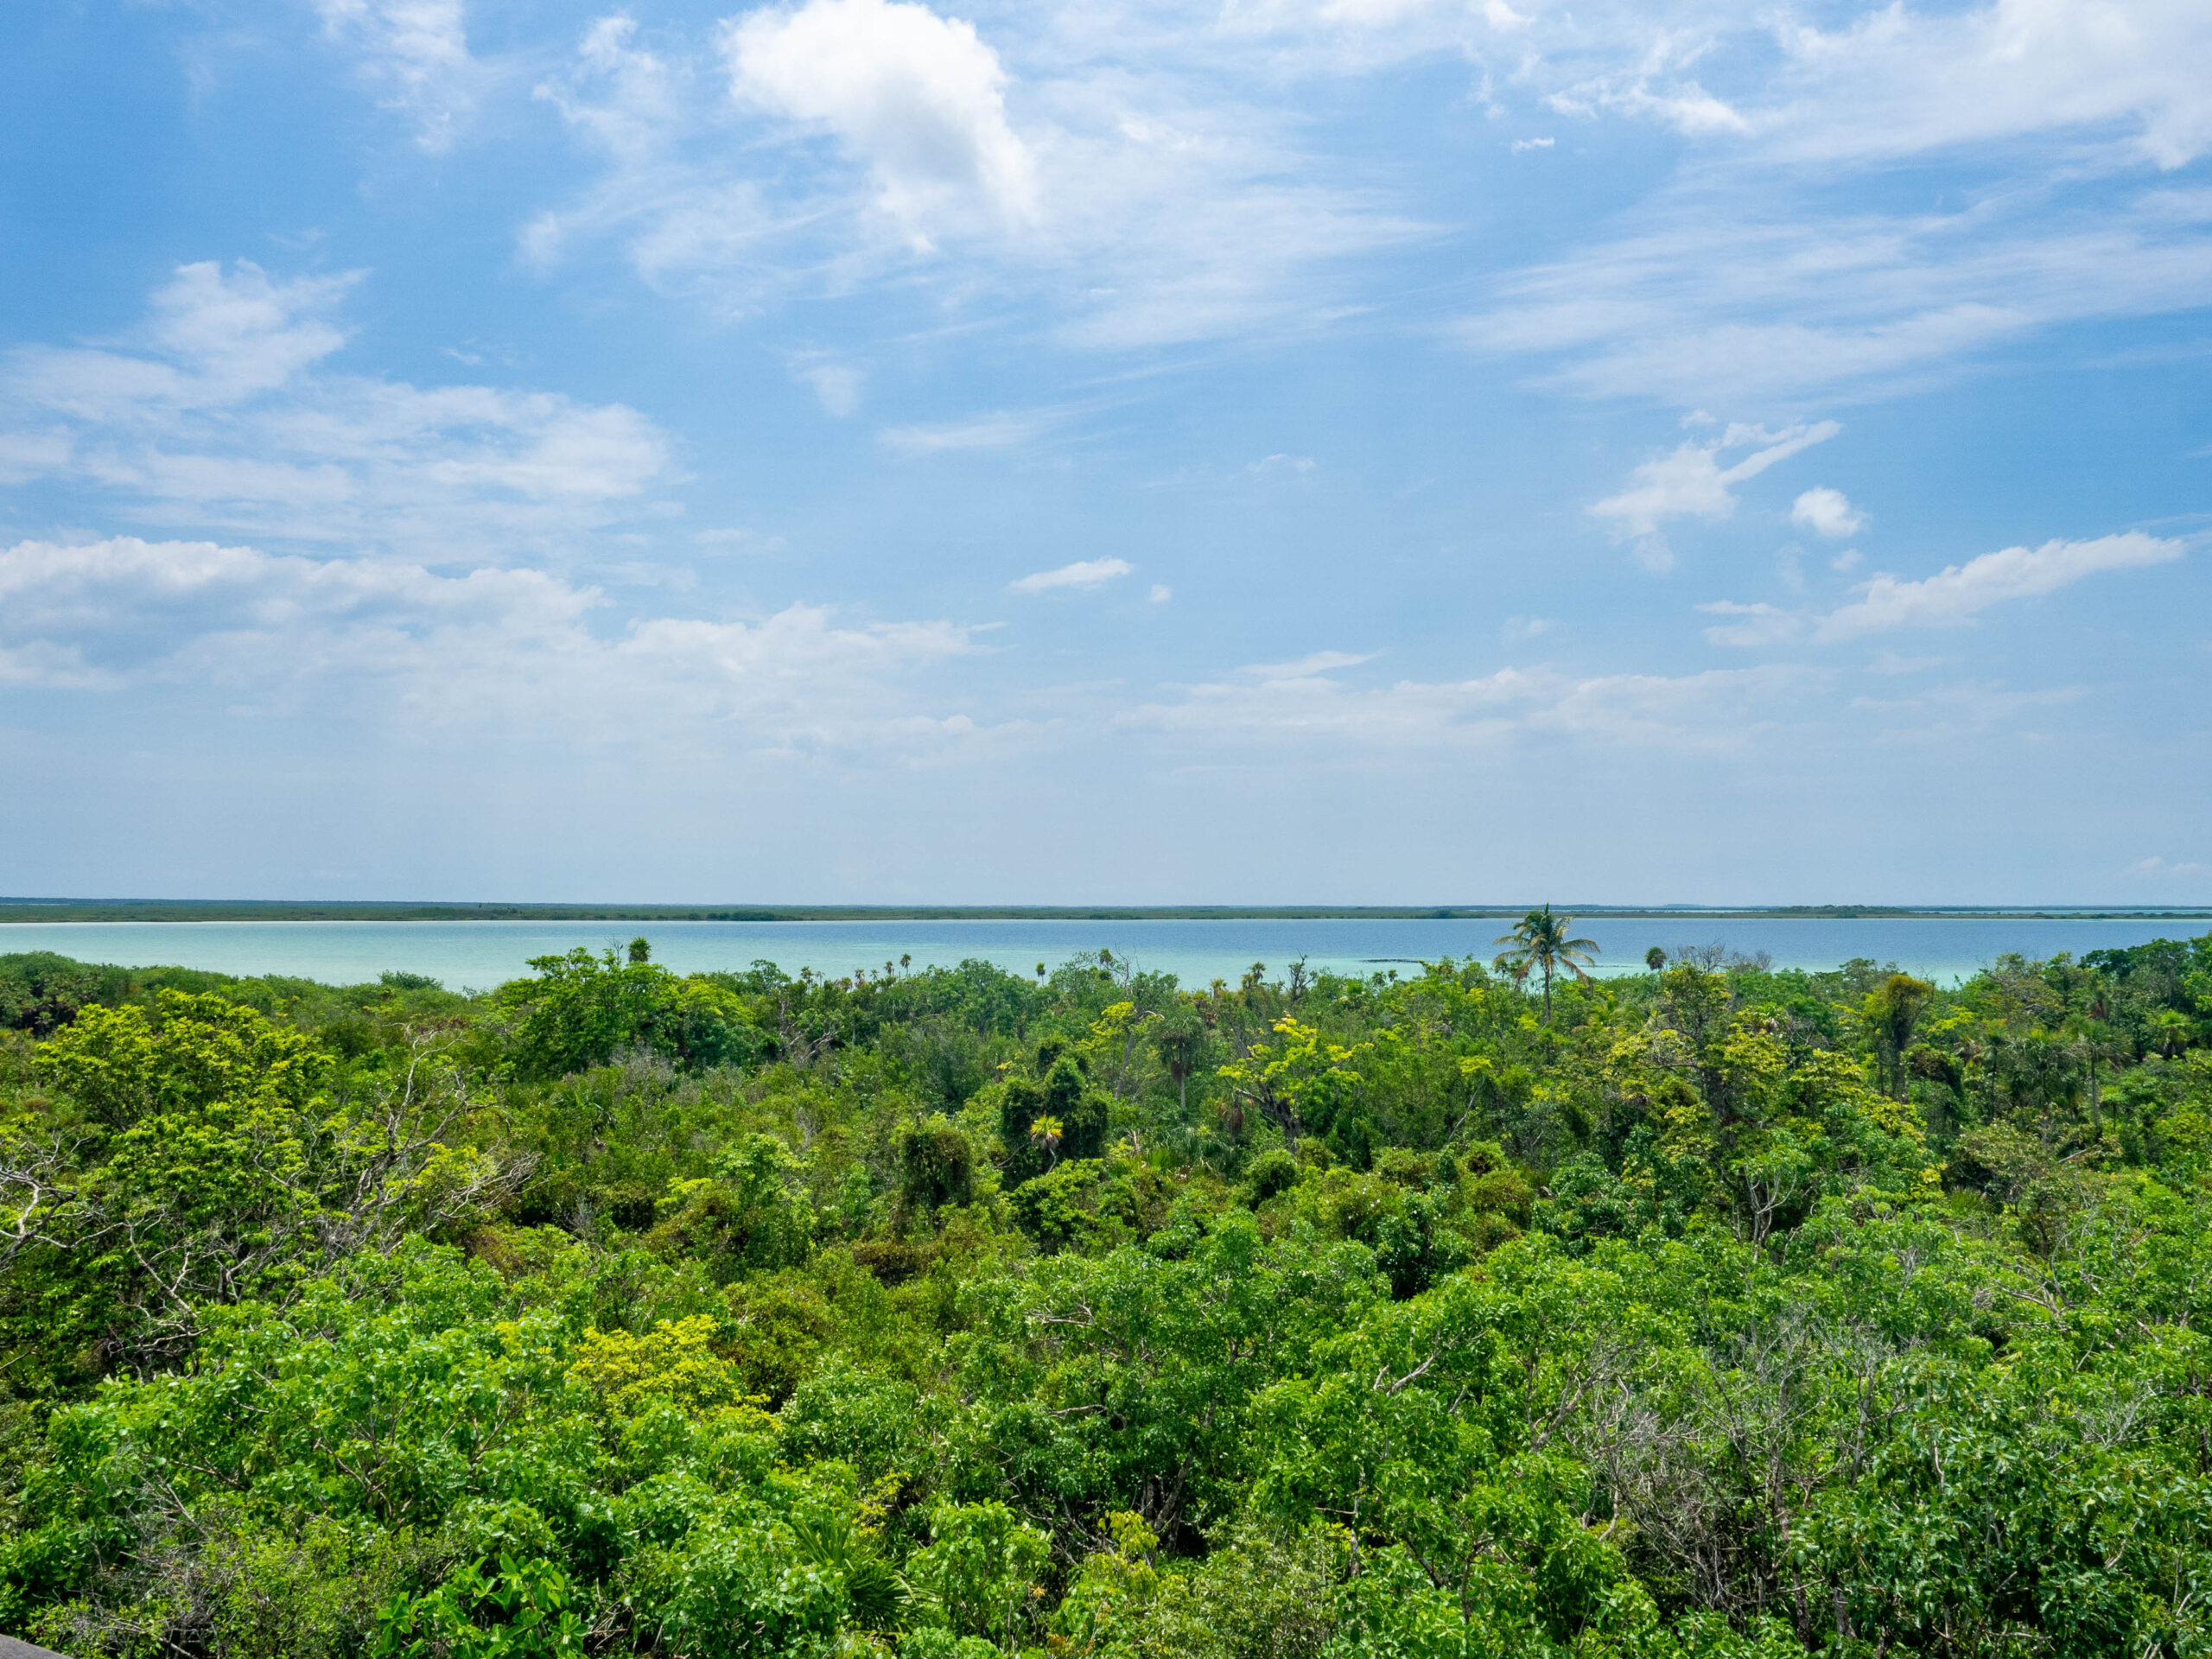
x: 916, y: 98
x: 639, y: 93
x: 1758, y: 626
x: 1826, y: 512
x: 1689, y: 108
x: 1522, y: 146
x: 836, y: 386
x: 2157, y: 868
x: 1731, y: 290
x: 513, y: 650
x: 418, y: 52
x: 1140, y: 206
x: 1310, y: 666
x: 1692, y: 483
x: 1958, y: 593
x: 220, y: 411
x: 42, y: 665
x: 1962, y: 709
x: 1161, y: 594
x: 986, y: 432
x: 1518, y: 629
x: 1896, y: 82
x: 1889, y: 81
x: 1849, y: 559
x: 211, y: 339
x: 1886, y: 661
x: 1083, y: 574
x: 1954, y: 596
x: 1718, y: 709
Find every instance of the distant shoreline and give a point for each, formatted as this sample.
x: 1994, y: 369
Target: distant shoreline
x: 219, y: 910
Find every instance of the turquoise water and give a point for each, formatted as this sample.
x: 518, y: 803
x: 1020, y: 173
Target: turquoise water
x: 483, y: 953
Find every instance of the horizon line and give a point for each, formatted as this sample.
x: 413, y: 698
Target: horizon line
x: 52, y: 910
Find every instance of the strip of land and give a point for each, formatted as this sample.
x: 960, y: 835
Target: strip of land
x: 256, y: 910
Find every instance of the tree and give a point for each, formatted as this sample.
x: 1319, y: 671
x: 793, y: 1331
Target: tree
x: 1892, y: 1010
x: 1180, y: 1038
x: 1539, y: 941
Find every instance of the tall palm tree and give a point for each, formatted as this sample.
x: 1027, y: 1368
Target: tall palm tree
x: 1539, y: 942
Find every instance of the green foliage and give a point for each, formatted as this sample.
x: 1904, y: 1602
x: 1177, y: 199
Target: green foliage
x: 519, y: 1610
x: 582, y: 1011
x: 120, y: 1066
x: 1713, y: 1313
x: 977, y: 1574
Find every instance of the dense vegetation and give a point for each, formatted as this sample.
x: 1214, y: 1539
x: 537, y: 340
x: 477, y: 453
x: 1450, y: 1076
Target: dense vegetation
x: 1716, y: 1311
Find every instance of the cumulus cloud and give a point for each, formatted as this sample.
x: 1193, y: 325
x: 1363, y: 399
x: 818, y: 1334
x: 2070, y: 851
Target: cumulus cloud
x: 916, y: 98
x: 1826, y: 512
x: 1958, y: 593
x: 1155, y: 175
x: 220, y: 411
x: 1692, y: 483
x: 522, y: 650
x: 1083, y: 574
x: 1141, y: 207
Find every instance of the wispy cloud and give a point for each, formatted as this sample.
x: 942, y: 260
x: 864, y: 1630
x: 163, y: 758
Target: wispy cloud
x: 220, y: 411
x: 1958, y: 593
x: 1717, y: 710
x: 1029, y: 161
x: 1310, y: 666
x: 2160, y: 868
x: 415, y: 54
x: 1083, y: 574
x: 1963, y: 709
x: 1691, y: 483
x: 1726, y: 294
x: 983, y: 432
x: 837, y: 385
x: 1954, y: 595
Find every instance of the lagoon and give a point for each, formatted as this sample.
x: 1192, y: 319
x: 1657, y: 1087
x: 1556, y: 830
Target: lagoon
x: 480, y: 955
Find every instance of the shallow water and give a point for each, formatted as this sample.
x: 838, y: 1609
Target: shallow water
x: 483, y: 953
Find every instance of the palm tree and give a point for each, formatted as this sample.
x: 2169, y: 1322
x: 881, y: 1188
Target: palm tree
x: 1539, y: 942
x: 1892, y: 1010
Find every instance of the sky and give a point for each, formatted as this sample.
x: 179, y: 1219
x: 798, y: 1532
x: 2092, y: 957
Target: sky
x: 1361, y: 451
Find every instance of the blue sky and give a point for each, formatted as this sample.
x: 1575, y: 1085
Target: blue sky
x: 1286, y: 450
